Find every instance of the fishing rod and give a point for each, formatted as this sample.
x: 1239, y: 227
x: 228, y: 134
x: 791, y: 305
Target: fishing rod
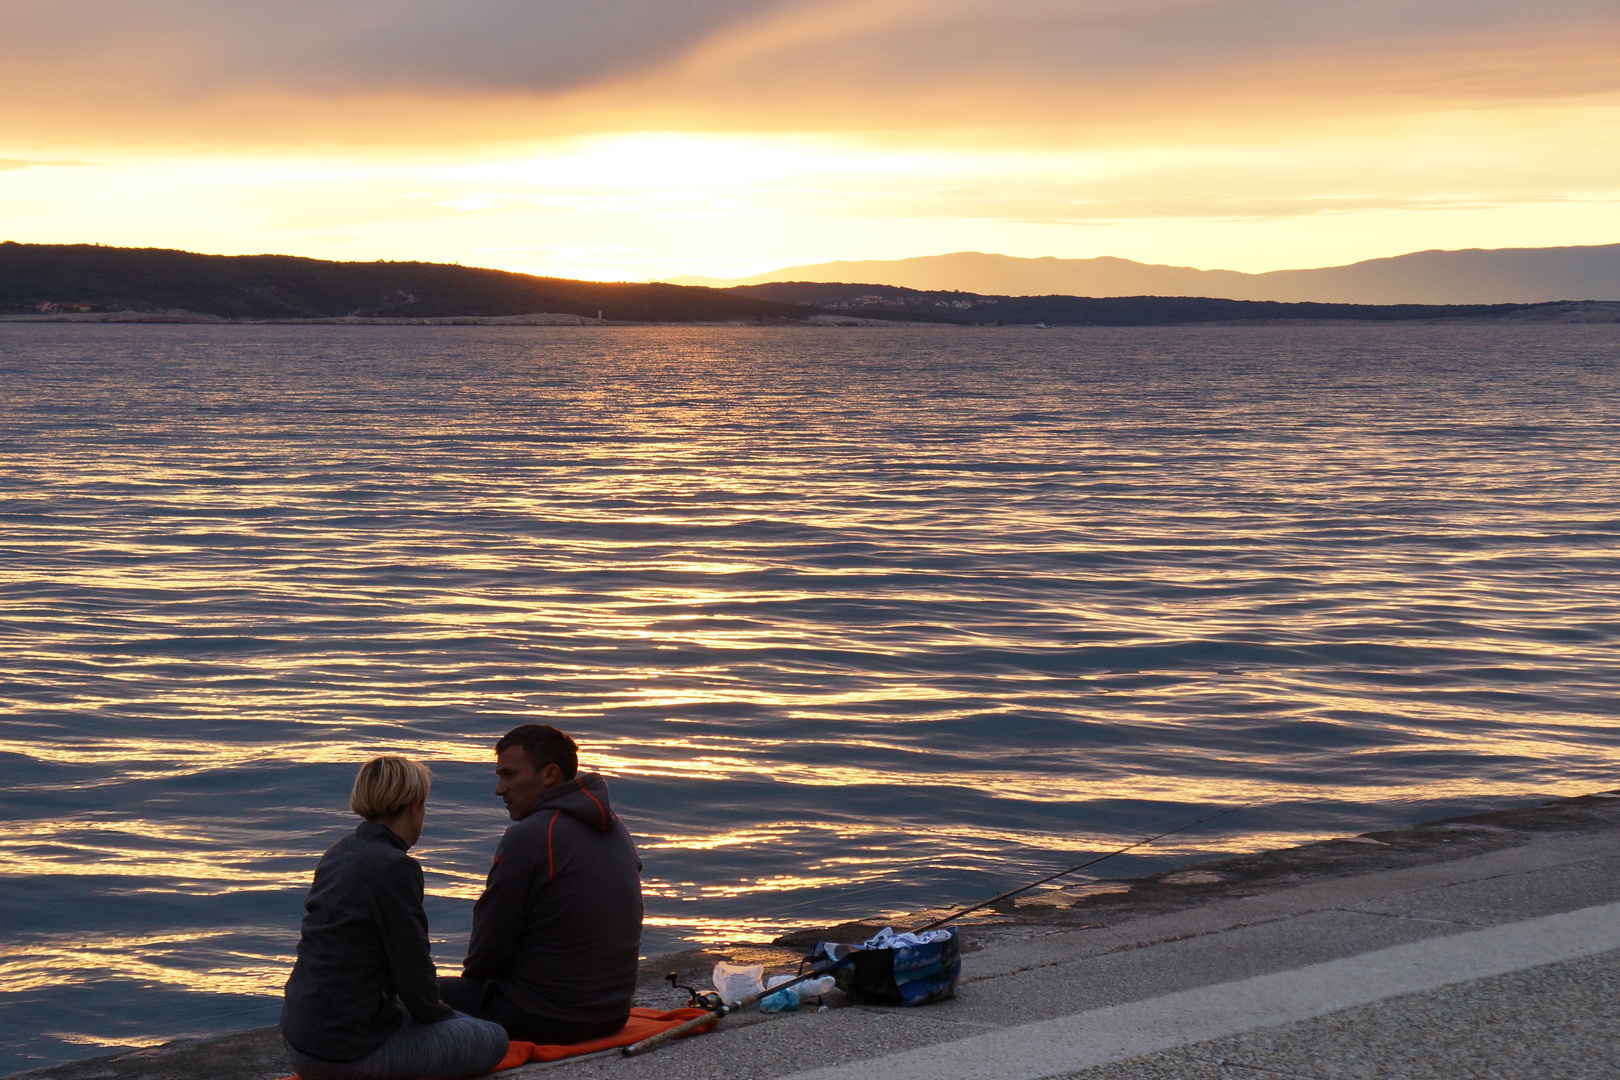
x: 1078, y: 866
x: 713, y: 1017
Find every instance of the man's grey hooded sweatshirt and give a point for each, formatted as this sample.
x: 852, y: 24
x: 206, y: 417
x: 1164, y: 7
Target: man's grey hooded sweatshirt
x: 558, y: 928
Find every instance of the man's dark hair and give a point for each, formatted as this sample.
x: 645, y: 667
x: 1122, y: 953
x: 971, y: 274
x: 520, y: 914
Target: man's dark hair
x: 543, y: 745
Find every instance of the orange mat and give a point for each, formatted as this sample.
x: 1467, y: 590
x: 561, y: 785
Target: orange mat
x: 642, y: 1023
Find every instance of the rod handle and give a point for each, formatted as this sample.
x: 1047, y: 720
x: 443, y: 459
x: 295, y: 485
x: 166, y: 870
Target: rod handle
x: 652, y: 1042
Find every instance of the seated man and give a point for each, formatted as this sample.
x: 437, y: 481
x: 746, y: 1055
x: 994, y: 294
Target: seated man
x: 555, y: 937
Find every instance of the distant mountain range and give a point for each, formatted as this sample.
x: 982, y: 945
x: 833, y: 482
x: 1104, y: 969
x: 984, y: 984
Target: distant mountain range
x: 869, y: 302
x: 1501, y: 276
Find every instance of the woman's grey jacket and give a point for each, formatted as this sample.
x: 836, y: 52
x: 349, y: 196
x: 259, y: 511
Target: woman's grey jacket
x: 364, y: 944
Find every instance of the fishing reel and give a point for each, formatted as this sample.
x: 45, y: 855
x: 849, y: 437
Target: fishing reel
x: 695, y: 999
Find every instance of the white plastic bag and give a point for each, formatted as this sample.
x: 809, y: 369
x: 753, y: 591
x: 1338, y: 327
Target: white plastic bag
x: 816, y: 987
x: 737, y: 981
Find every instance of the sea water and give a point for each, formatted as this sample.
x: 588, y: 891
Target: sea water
x: 855, y: 621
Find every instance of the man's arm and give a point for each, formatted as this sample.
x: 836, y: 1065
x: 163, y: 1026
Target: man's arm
x: 498, y: 915
x: 397, y: 907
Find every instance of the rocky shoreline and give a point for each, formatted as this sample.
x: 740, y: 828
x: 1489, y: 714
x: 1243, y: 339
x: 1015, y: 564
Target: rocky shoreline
x: 1573, y: 312
x: 1111, y: 901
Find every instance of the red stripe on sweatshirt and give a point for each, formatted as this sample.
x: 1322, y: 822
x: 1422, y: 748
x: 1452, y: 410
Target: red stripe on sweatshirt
x: 594, y: 799
x: 551, y: 864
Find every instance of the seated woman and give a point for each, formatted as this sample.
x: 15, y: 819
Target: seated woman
x: 362, y: 1002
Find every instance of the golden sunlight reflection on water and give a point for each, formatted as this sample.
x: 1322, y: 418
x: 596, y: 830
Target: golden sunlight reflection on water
x: 202, y: 961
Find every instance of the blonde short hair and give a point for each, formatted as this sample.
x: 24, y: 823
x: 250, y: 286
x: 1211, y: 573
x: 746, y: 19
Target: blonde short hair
x: 387, y: 785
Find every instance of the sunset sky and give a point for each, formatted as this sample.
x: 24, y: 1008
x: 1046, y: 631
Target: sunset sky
x: 642, y: 139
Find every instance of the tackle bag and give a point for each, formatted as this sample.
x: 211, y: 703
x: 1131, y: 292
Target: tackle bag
x: 895, y: 969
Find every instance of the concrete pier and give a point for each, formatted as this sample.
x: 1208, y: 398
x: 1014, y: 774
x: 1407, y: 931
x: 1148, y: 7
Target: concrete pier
x: 1486, y: 946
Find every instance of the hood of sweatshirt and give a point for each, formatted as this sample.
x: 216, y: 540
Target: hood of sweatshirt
x: 584, y: 797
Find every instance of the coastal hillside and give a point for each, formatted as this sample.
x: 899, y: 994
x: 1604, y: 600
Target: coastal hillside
x: 35, y: 277
x: 1503, y: 276
x: 64, y: 280
x: 885, y: 302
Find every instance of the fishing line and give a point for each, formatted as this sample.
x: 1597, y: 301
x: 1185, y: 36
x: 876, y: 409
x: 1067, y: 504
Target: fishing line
x: 881, y: 885
x: 1078, y: 866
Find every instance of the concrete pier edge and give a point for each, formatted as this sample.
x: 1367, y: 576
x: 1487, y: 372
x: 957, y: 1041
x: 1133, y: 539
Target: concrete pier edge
x: 1302, y: 962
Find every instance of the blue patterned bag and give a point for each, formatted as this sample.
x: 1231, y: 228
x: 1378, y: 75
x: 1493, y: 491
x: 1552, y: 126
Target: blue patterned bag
x: 890, y: 969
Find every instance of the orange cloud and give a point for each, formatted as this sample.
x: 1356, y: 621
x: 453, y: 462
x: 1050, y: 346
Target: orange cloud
x: 1095, y: 67
x: 420, y: 72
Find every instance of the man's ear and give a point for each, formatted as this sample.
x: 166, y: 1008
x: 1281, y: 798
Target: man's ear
x: 551, y: 776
